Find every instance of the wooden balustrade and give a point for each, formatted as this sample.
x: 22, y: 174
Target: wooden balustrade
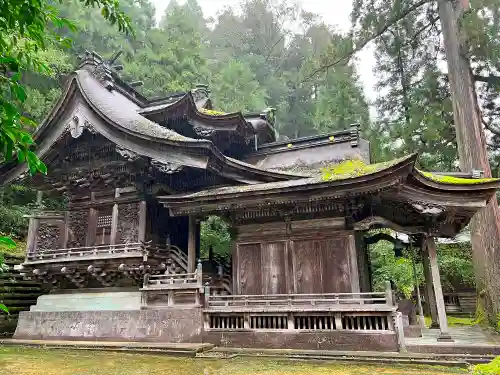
x: 172, y: 289
x: 333, y: 301
x: 88, y: 251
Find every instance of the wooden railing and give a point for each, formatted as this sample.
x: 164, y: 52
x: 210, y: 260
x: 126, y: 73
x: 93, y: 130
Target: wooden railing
x: 175, y: 253
x: 173, y: 281
x: 88, y: 251
x: 371, y: 301
x: 172, y: 289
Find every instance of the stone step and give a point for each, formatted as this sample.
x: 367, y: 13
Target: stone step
x: 173, y: 349
x: 454, y: 360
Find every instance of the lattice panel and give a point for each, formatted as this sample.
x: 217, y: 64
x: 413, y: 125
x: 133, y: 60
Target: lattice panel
x: 315, y: 322
x: 365, y: 323
x: 104, y: 221
x: 268, y: 322
x: 226, y: 322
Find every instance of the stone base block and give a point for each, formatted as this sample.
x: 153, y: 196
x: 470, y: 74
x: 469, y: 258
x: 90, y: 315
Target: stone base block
x: 89, y: 301
x: 165, y: 325
x: 338, y: 340
x: 413, y: 331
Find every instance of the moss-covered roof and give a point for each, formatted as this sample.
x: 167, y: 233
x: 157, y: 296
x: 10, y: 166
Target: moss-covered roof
x: 451, y: 180
x: 349, y: 169
x: 357, y: 168
x: 211, y: 112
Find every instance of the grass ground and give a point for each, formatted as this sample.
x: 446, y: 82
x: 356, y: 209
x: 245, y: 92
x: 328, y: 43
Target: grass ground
x: 454, y: 321
x: 31, y: 361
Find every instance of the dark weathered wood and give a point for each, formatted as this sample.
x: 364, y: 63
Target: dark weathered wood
x: 249, y: 269
x: 438, y: 291
x: 273, y: 268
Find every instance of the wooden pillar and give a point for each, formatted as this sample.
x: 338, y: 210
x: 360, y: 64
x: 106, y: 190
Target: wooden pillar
x: 114, y: 219
x: 415, y: 277
x: 363, y: 264
x: 351, y: 243
x: 430, y: 297
x: 92, y: 224
x: 142, y: 221
x: 34, y: 223
x: 191, y: 244
x: 444, y: 334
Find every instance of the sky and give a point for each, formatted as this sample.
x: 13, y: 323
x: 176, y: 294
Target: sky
x: 333, y: 12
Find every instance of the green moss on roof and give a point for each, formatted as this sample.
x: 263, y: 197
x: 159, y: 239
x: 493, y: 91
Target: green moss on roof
x: 211, y: 112
x: 450, y: 180
x: 355, y: 168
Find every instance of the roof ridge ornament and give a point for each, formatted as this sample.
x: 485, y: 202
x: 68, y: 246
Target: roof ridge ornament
x: 103, y: 70
x: 269, y: 114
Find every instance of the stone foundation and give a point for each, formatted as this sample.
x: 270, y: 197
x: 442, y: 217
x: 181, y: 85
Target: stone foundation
x: 350, y: 341
x: 89, y: 301
x: 167, y: 325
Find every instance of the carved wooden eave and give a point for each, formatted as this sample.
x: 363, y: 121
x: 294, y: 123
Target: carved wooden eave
x: 237, y: 125
x: 302, y: 190
x: 86, y: 105
x: 396, y: 194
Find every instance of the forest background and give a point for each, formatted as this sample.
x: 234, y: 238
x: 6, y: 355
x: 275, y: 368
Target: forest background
x: 267, y: 53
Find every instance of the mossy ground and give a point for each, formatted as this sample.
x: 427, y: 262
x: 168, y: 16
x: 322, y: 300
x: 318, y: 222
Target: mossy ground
x: 29, y: 361
x: 18, y: 250
x: 454, y: 321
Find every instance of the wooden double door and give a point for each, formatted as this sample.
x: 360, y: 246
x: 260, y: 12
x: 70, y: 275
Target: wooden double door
x: 295, y: 266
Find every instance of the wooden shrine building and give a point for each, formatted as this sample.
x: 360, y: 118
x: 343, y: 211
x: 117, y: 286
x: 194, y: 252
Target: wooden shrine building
x: 121, y: 261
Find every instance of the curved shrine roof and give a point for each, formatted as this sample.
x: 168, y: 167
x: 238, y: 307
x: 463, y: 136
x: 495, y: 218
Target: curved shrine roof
x: 118, y: 118
x: 395, y: 183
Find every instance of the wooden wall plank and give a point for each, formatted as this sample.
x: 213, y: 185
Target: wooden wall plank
x: 273, y: 268
x: 250, y: 269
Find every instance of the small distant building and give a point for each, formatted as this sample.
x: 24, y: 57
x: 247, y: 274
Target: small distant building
x: 121, y: 262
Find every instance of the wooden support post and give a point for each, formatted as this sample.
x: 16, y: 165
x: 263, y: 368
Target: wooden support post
x: 338, y: 321
x: 415, y: 277
x: 192, y: 244
x: 142, y: 221
x: 430, y: 297
x: 33, y: 226
x: 351, y: 243
x: 436, y: 281
x: 291, y: 321
x: 114, y: 219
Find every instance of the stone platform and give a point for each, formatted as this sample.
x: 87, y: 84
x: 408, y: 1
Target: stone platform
x: 162, y: 325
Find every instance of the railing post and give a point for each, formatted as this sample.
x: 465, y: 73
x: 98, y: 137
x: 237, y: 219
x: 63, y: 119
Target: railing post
x: 291, y: 321
x: 146, y: 280
x: 388, y: 293
x: 398, y: 326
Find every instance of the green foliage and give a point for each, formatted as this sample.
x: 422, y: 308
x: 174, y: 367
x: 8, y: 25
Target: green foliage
x: 492, y: 368
x: 455, y: 265
x: 25, y: 36
x: 385, y: 266
x: 215, y: 233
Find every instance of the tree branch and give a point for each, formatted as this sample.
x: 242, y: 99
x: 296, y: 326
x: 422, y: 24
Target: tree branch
x: 364, y: 43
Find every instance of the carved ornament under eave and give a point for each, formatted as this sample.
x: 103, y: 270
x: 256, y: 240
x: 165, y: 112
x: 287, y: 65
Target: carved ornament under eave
x: 203, y: 132
x: 166, y: 167
x: 127, y: 154
x: 78, y: 124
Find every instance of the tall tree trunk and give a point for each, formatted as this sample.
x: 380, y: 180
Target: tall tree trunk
x: 471, y: 141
